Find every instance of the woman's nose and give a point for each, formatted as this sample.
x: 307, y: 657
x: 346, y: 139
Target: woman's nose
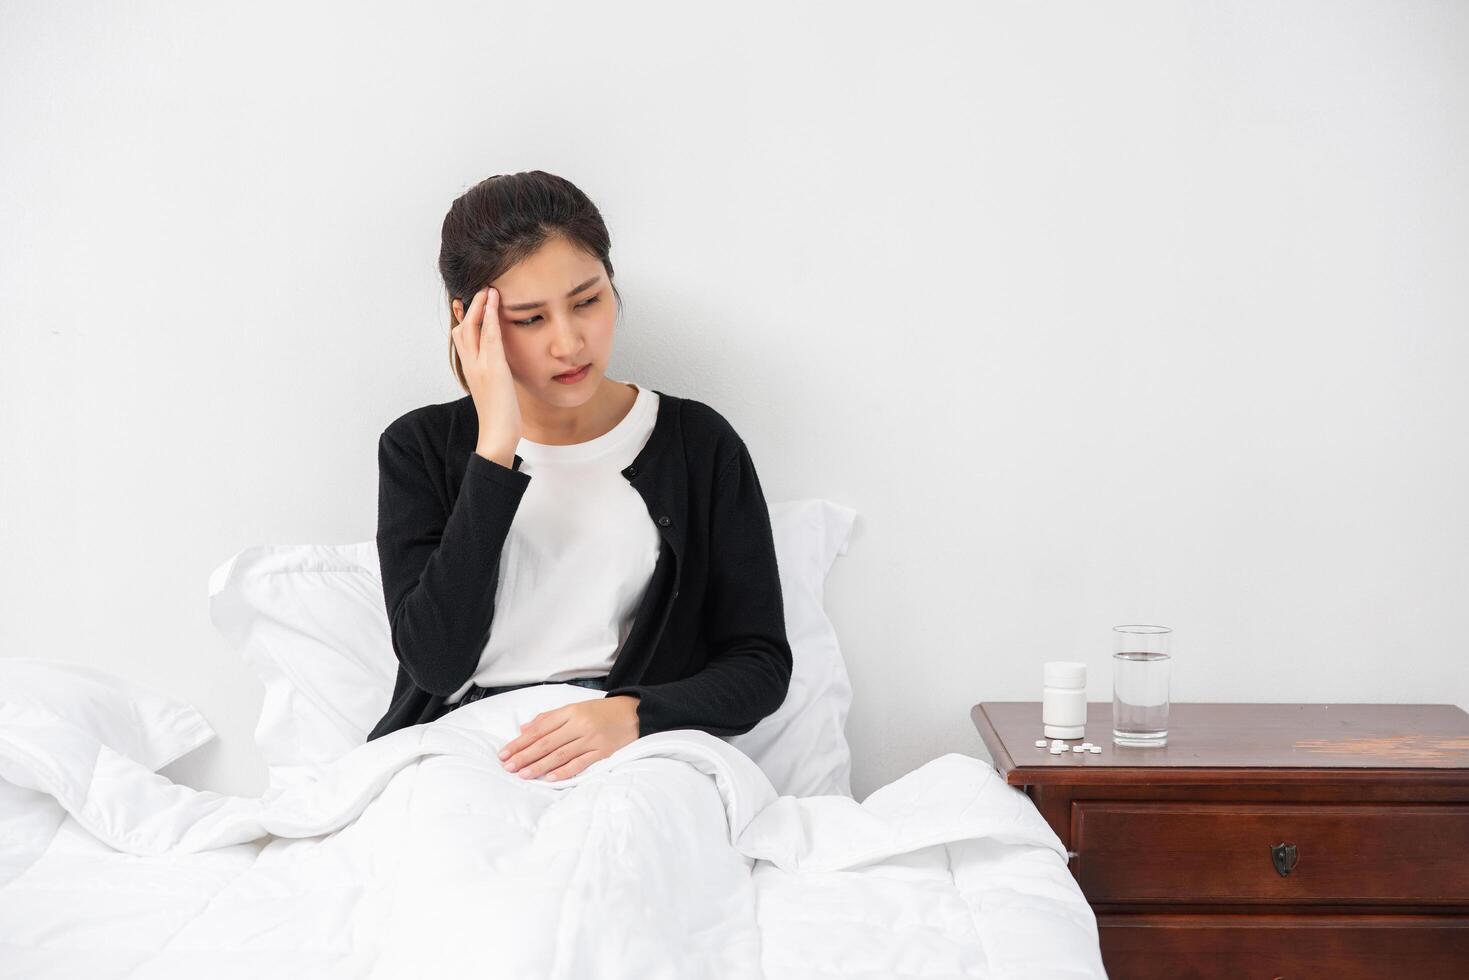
x: 567, y: 341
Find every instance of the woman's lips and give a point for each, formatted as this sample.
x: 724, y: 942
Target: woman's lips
x: 573, y: 378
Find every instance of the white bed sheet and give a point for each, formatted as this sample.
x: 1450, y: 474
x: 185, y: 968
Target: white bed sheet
x: 417, y: 853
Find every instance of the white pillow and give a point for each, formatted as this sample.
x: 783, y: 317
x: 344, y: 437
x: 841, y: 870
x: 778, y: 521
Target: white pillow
x: 148, y: 727
x: 803, y: 746
x: 312, y: 623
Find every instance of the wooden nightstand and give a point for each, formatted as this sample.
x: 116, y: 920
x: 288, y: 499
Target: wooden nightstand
x: 1265, y: 840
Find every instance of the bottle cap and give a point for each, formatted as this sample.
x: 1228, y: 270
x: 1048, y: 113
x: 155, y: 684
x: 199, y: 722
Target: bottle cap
x: 1065, y: 673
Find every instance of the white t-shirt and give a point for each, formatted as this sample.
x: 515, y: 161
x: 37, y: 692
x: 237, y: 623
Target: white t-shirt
x: 579, y: 556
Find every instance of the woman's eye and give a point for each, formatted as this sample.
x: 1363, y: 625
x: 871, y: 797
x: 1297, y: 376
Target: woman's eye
x: 528, y: 322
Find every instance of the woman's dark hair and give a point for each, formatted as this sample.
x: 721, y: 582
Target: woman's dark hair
x: 506, y: 218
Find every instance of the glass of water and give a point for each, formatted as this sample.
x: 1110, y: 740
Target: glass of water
x: 1141, y: 661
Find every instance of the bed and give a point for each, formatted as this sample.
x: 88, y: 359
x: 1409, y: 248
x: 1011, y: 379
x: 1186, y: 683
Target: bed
x: 683, y: 855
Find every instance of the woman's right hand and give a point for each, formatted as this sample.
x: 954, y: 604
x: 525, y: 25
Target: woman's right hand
x: 481, y: 355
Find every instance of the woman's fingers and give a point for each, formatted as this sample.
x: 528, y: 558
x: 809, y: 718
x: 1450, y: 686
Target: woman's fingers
x: 565, y: 740
x: 469, y: 342
x: 481, y: 325
x: 559, y: 756
x: 490, y: 317
x: 577, y: 765
x: 460, y: 332
x: 538, y: 736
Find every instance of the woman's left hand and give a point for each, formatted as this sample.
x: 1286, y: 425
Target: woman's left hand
x: 565, y: 740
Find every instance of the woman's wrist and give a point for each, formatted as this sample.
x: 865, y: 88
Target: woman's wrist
x: 499, y: 454
x: 632, y: 709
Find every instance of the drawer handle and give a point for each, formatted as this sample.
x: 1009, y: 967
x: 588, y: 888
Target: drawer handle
x: 1283, y: 856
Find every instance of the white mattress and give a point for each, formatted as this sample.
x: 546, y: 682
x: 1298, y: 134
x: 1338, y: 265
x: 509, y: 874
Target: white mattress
x: 417, y: 853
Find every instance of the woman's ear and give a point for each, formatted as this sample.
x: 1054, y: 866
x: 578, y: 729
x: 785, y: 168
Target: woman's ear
x: 458, y: 311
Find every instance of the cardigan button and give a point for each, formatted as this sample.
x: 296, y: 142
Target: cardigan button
x: 664, y: 521
x: 630, y: 471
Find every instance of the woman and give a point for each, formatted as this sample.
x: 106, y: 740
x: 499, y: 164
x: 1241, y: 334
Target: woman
x: 557, y: 526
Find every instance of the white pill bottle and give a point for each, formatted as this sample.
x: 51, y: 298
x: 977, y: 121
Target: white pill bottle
x: 1063, y: 700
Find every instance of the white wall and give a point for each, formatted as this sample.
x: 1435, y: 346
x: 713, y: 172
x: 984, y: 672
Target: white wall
x: 1097, y: 313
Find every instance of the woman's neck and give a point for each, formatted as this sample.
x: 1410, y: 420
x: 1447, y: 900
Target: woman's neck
x: 552, y: 425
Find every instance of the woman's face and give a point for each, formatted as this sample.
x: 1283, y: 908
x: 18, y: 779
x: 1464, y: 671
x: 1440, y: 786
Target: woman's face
x: 566, y: 320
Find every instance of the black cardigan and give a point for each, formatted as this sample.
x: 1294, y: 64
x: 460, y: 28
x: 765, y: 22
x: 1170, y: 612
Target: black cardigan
x: 707, y: 648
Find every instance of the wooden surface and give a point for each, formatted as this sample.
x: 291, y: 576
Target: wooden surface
x: 1266, y: 736
x: 1352, y: 854
x: 1175, y: 846
x: 1319, y: 947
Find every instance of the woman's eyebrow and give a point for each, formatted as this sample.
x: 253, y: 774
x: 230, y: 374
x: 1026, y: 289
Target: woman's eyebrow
x: 539, y: 303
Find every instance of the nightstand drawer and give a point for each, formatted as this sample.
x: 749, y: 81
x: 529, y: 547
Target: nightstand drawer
x: 1200, y: 853
x: 1338, y: 947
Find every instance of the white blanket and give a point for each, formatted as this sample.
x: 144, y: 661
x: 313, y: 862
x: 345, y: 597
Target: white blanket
x: 417, y: 853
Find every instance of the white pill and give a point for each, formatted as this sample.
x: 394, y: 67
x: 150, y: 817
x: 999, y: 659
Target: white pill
x: 1077, y: 748
x: 1086, y: 745
x: 1040, y: 743
x: 1056, y: 743
x: 1057, y: 750
x: 1096, y: 749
